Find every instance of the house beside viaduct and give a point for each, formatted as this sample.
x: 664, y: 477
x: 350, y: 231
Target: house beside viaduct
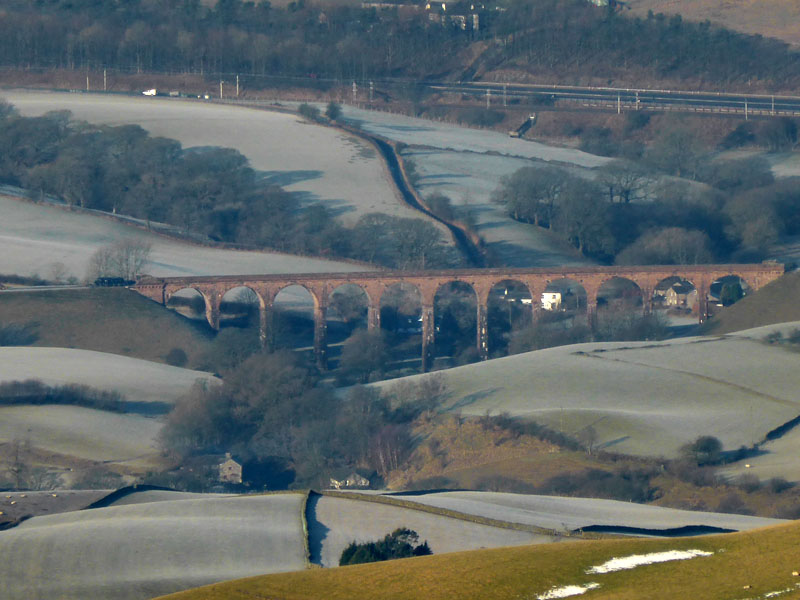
x: 427, y: 283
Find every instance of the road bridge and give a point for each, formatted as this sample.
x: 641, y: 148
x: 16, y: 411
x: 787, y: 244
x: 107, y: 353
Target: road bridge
x: 427, y: 283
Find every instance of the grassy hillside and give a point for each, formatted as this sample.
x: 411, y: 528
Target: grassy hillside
x: 138, y: 551
x: 770, y: 18
x: 118, y: 321
x: 641, y: 398
x: 774, y: 303
x: 763, y: 560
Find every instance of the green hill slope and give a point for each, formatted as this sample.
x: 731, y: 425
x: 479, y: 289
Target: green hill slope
x: 756, y: 564
x: 774, y: 303
x: 118, y: 321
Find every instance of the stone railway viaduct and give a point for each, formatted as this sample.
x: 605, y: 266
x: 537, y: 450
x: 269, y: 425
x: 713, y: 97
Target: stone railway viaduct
x: 322, y: 285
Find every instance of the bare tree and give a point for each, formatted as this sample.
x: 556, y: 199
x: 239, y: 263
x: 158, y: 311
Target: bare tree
x: 59, y: 272
x: 624, y: 181
x: 588, y: 437
x: 125, y: 259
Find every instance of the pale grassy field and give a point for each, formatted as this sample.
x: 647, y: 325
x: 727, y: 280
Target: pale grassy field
x: 339, y: 521
x: 560, y: 513
x: 469, y: 179
x: 152, y: 543
x: 446, y: 136
x: 138, y: 380
x: 83, y: 433
x: 770, y: 18
x: 641, y: 398
x: 467, y: 164
x: 318, y: 164
x: 148, y: 496
x: 141, y: 551
x: 749, y: 565
x: 33, y: 237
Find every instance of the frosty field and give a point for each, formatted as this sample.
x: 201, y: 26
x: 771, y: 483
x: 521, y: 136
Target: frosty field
x: 138, y: 380
x: 641, y: 398
x: 560, y: 513
x: 469, y: 179
x: 339, y: 521
x: 446, y: 136
x: 140, y: 551
x: 83, y: 433
x: 318, y: 164
x: 34, y: 237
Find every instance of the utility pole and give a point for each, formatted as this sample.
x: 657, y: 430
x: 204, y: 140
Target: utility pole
x: 237, y: 86
x: 745, y: 109
x: 773, y: 106
x: 355, y: 92
x: 619, y: 103
x: 488, y: 98
x: 220, y: 89
x: 505, y: 91
x: 105, y: 81
x: 87, y: 82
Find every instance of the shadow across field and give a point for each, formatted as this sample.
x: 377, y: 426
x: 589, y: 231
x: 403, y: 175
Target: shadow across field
x: 286, y: 178
x: 317, y: 532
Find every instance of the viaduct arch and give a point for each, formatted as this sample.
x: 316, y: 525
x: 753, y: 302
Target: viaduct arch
x: 374, y: 283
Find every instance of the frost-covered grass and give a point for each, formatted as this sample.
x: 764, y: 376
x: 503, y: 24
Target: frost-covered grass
x: 561, y: 513
x: 35, y: 237
x: 763, y: 560
x: 336, y: 522
x: 641, y: 398
x: 140, y: 551
x: 469, y: 179
x: 153, y: 542
x: 446, y: 136
x: 83, y: 433
x: 317, y: 163
x: 137, y: 380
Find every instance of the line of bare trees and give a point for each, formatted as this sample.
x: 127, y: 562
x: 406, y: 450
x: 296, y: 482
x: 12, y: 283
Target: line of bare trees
x: 557, y: 38
x: 636, y: 212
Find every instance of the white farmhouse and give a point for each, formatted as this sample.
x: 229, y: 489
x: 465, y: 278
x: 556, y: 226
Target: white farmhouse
x: 551, y: 300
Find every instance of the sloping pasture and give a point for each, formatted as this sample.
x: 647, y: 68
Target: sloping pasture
x: 137, y: 380
x: 34, y: 238
x: 144, y: 550
x: 319, y: 164
x: 562, y: 513
x: 335, y: 522
x: 755, y: 565
x: 83, y: 433
x: 641, y: 398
